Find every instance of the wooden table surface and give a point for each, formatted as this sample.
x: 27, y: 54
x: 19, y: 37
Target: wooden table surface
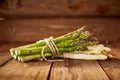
x: 31, y: 29
x: 11, y: 69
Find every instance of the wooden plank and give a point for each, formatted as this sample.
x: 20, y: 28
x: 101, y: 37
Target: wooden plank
x: 60, y: 8
x: 4, y: 57
x: 35, y: 29
x: 115, y: 49
x: 4, y: 51
x: 77, y: 70
x: 112, y: 68
x: 14, y: 70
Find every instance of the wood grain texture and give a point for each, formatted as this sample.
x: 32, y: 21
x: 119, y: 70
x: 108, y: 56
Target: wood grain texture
x: 14, y: 70
x: 60, y: 8
x: 112, y: 68
x: 77, y: 70
x: 67, y: 70
x: 115, y: 49
x: 4, y: 51
x: 4, y: 57
x: 35, y: 29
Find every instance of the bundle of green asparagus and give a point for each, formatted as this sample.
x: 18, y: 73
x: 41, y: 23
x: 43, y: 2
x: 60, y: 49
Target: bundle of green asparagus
x: 79, y: 44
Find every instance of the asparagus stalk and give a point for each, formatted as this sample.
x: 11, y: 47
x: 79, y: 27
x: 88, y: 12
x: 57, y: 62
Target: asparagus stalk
x: 65, y: 55
x: 82, y: 36
x: 95, y: 52
x: 75, y: 41
x: 80, y: 32
x: 85, y: 56
x: 70, y: 43
x: 32, y: 57
x: 37, y: 50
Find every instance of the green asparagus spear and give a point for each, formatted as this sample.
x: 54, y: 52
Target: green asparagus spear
x: 83, y: 35
x: 74, y: 41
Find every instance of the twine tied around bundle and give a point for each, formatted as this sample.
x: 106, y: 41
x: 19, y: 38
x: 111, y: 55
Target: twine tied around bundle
x: 53, y: 48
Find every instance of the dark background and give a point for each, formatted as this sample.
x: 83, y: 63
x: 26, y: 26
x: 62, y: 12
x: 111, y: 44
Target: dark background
x: 31, y: 20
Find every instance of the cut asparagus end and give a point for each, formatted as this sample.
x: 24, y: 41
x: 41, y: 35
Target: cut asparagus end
x: 19, y: 59
x: 15, y: 57
x: 11, y: 52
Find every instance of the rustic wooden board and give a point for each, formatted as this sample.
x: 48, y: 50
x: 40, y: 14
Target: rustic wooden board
x: 4, y: 57
x: 33, y: 70
x: 14, y: 70
x: 68, y: 70
x: 112, y: 68
x: 4, y: 51
x: 59, y: 8
x: 77, y: 70
x: 115, y: 49
x: 35, y: 29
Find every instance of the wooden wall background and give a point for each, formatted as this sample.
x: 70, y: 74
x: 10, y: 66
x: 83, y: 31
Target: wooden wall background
x: 31, y: 20
x: 60, y: 8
